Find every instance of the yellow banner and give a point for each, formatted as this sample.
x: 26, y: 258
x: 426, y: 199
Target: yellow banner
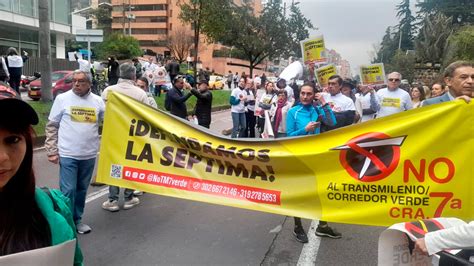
x: 313, y: 50
x: 323, y: 74
x: 372, y: 74
x: 414, y: 165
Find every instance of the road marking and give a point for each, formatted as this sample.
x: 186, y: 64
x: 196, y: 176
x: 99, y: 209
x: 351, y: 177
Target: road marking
x: 97, y: 194
x: 310, y: 250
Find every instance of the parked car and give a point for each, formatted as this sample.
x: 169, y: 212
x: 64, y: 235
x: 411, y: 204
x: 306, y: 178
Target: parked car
x: 216, y: 82
x: 62, y: 82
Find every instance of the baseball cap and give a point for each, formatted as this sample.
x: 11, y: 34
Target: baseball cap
x: 10, y: 104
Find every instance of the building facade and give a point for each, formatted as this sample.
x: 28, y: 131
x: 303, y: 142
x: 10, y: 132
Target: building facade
x: 151, y: 22
x: 20, y: 26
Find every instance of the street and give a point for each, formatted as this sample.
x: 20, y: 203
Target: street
x: 164, y: 230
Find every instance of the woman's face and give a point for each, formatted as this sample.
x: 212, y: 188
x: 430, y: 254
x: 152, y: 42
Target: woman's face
x: 12, y: 152
x: 270, y: 87
x: 415, y: 93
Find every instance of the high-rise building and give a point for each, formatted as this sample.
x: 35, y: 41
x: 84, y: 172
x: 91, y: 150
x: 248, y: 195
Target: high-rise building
x: 151, y: 22
x: 20, y: 26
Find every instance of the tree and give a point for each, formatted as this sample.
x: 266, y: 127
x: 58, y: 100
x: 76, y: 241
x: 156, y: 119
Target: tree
x: 180, y: 41
x: 299, y: 27
x: 405, y: 27
x: 430, y: 45
x: 259, y: 37
x: 120, y: 46
x: 387, y: 48
x: 204, y: 16
x: 460, y: 46
x: 460, y: 11
x: 103, y: 16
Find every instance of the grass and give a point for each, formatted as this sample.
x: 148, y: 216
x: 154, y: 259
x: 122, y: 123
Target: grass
x: 220, y: 101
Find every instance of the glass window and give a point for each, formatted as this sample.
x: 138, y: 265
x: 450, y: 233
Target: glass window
x: 61, y: 11
x: 27, y: 7
x: 6, y: 5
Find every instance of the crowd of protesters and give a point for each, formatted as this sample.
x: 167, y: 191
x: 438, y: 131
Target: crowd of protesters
x: 259, y: 108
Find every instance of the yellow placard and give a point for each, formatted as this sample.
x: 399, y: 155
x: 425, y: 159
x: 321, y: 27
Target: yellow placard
x: 313, y: 50
x: 372, y: 74
x: 407, y: 166
x: 323, y: 74
x: 83, y: 114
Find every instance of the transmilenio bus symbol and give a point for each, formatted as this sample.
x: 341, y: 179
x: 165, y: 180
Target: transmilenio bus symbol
x: 370, y: 157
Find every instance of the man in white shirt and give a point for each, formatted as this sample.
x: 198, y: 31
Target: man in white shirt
x: 342, y: 106
x: 125, y: 85
x: 392, y: 99
x: 72, y: 140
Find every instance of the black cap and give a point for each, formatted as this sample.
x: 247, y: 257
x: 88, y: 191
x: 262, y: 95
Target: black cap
x: 203, y: 81
x: 14, y: 108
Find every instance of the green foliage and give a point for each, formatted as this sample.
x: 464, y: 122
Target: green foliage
x: 103, y: 15
x: 403, y: 63
x: 460, y: 45
x: 460, y: 11
x: 120, y: 46
x: 405, y: 27
x: 431, y: 42
x: 298, y: 26
x: 388, y: 47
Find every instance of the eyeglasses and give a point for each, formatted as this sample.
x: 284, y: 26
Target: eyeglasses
x: 394, y: 80
x: 79, y: 81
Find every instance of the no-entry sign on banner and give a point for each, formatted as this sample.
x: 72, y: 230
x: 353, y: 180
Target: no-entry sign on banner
x: 407, y: 166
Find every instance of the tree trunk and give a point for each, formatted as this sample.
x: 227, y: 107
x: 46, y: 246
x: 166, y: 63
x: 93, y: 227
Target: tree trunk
x: 45, y: 53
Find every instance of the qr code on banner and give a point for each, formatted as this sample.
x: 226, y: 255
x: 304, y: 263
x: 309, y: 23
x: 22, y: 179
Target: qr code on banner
x: 116, y: 171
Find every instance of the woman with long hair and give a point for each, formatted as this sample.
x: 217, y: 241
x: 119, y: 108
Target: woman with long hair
x: 417, y: 96
x: 30, y: 217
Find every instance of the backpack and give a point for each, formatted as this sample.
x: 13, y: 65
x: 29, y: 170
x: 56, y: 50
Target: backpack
x: 167, y: 102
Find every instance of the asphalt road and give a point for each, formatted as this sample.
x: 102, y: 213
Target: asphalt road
x: 169, y: 231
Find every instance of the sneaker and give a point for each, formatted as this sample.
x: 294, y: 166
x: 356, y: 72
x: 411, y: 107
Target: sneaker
x: 83, y: 228
x: 300, y: 235
x: 111, y: 205
x: 131, y: 203
x: 137, y: 193
x: 327, y: 232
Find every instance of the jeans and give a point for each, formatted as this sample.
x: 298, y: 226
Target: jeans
x: 75, y: 177
x: 114, y: 193
x: 157, y: 90
x: 238, y: 124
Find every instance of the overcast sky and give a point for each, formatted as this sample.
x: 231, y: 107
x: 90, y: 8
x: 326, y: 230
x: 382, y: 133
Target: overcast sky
x: 351, y: 27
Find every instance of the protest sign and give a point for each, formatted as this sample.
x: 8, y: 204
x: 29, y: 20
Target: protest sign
x: 372, y: 74
x: 395, y: 249
x: 393, y: 168
x: 313, y: 50
x: 323, y: 74
x: 58, y: 255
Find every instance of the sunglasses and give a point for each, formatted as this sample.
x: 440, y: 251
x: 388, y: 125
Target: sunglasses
x: 394, y: 80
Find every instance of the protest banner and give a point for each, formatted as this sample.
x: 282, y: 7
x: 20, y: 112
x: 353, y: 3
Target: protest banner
x: 313, y: 50
x: 402, y: 167
x: 395, y: 249
x: 372, y: 74
x: 323, y: 74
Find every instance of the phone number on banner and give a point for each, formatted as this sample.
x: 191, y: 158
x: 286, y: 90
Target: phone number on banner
x: 203, y: 186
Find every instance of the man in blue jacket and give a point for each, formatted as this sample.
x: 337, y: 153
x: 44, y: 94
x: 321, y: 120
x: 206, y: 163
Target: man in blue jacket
x: 306, y: 119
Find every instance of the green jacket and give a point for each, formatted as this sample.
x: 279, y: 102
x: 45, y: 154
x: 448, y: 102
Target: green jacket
x: 60, y: 220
